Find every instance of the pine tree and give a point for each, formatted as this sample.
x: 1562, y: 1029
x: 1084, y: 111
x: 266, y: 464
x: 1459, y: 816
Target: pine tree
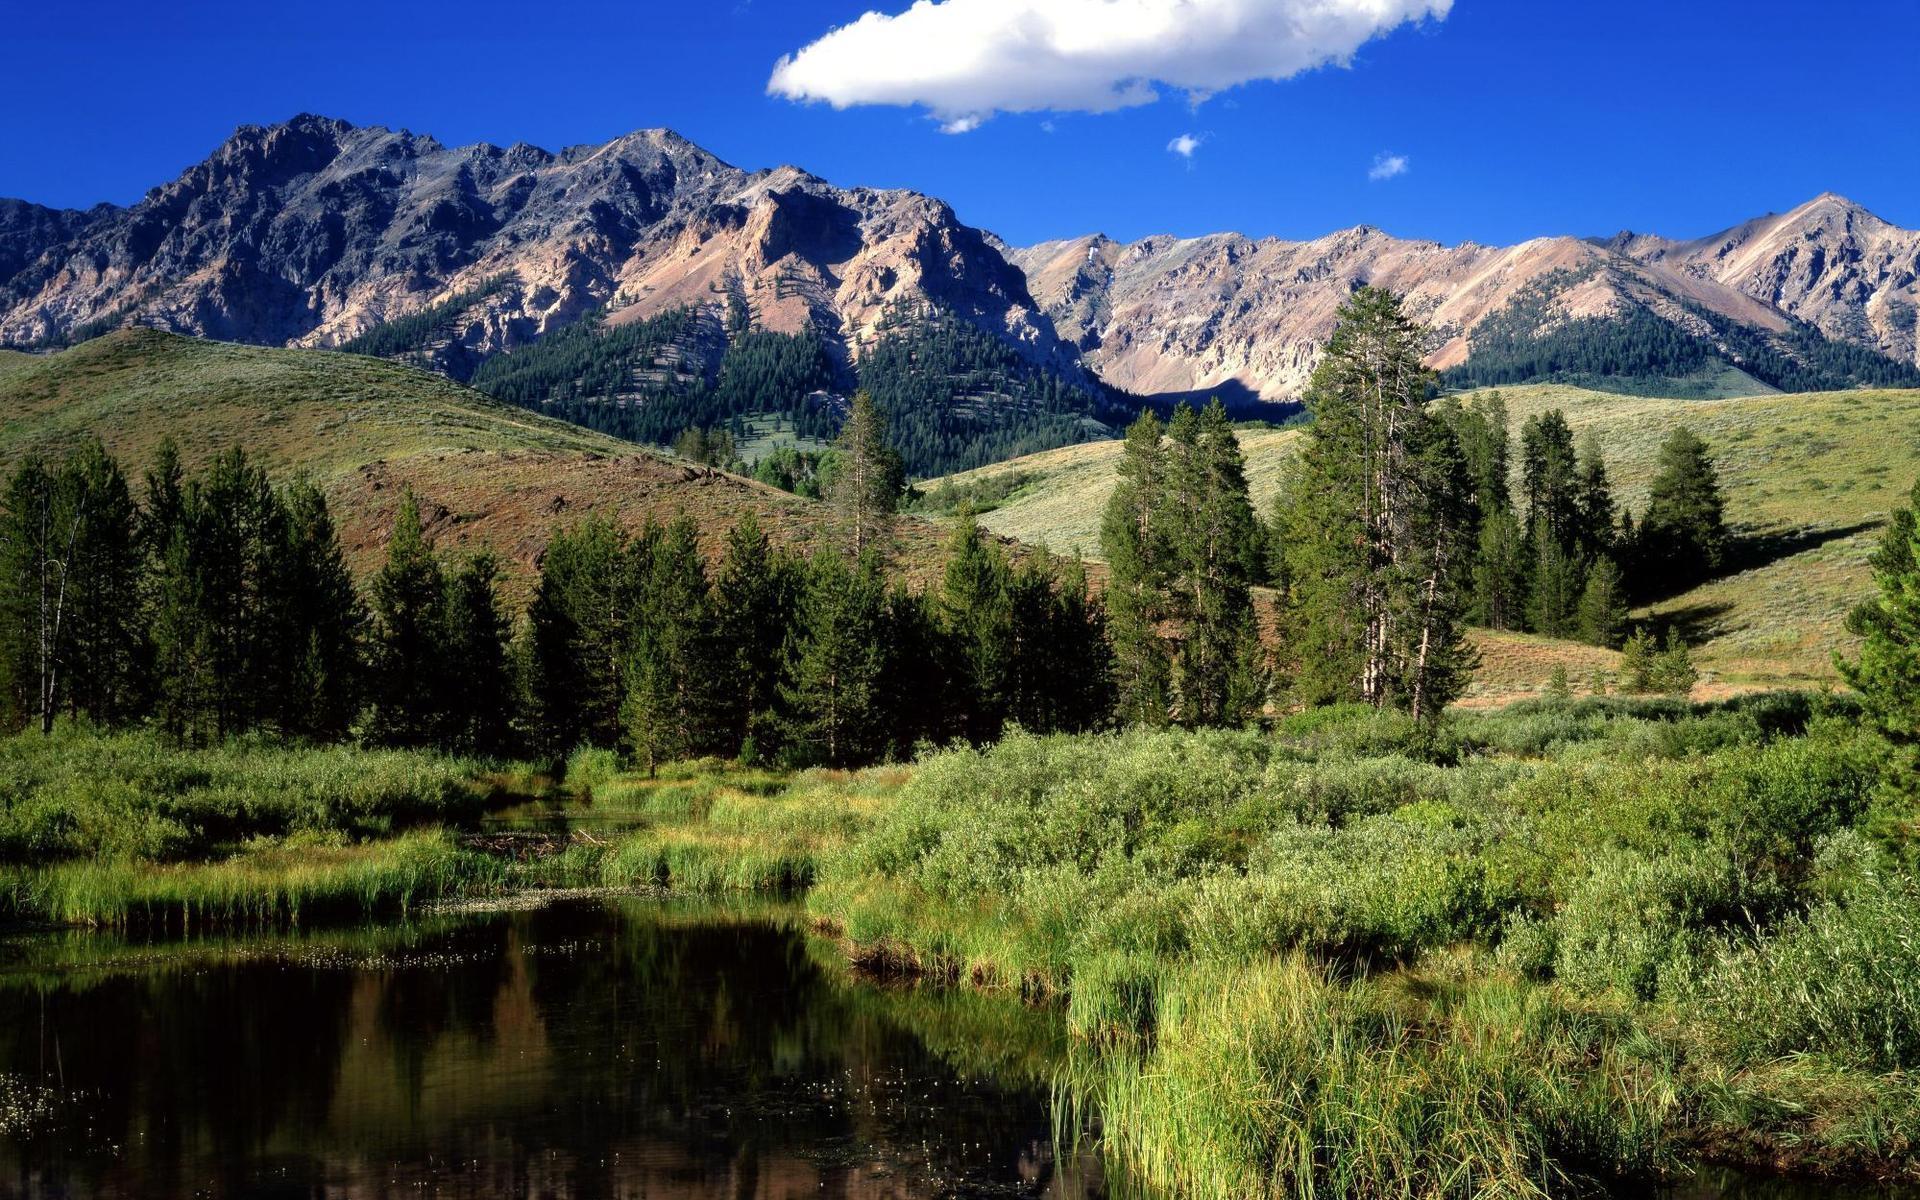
x: 231, y: 634
x: 977, y: 609
x: 35, y: 553
x: 1219, y: 673
x: 1637, y: 663
x: 1135, y: 541
x: 667, y: 711
x: 1554, y: 597
x: 1887, y: 671
x: 834, y: 685
x: 325, y: 624
x: 1373, y: 518
x: 480, y: 688
x: 1500, y: 571
x: 1549, y: 469
x: 1673, y: 671
x: 867, y: 480
x: 1603, y: 605
x: 1593, y: 501
x: 1683, y: 533
x: 752, y: 607
x: 409, y: 614
x: 580, y: 636
x: 103, y: 639
x: 923, y: 692
x: 1079, y: 676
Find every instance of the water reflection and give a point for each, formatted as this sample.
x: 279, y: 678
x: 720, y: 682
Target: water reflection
x: 607, y: 1048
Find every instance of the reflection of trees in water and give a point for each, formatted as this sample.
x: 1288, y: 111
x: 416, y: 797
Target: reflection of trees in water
x: 570, y: 1051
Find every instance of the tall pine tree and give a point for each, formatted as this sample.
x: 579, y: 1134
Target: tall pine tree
x: 1373, y: 519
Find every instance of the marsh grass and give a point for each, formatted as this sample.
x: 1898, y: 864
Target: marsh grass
x: 283, y: 882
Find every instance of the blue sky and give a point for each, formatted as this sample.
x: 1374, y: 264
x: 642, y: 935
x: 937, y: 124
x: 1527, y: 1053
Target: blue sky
x: 1514, y: 118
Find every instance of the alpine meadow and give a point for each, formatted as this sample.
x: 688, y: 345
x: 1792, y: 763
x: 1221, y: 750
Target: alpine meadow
x: 599, y: 672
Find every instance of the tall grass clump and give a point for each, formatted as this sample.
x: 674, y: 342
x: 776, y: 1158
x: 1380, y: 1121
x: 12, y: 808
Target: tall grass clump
x: 298, y: 880
x: 1842, y: 981
x: 134, y: 796
x: 1274, y: 1079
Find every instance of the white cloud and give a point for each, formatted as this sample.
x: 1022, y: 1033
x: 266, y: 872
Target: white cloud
x: 1184, y: 146
x: 1387, y: 166
x: 965, y: 60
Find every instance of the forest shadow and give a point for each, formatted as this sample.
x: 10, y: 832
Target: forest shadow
x: 1241, y: 402
x: 1695, y: 623
x: 1750, y: 552
x: 1753, y: 551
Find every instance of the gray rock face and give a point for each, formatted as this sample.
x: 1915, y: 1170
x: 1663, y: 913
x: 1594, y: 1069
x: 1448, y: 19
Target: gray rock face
x: 1829, y: 262
x: 313, y: 231
x: 1227, y: 313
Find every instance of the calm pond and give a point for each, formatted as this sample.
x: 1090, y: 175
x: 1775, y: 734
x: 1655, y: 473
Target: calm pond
x: 619, y: 1047
x: 589, y: 1048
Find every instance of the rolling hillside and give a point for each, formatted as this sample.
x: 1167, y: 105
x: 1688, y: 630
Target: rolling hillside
x: 1809, y: 479
x: 488, y: 474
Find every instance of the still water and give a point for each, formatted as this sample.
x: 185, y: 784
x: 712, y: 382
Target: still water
x: 588, y: 1048
x: 585, y: 1049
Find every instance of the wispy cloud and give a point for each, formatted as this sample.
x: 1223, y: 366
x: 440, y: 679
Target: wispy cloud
x: 1185, y: 145
x: 964, y: 60
x: 1389, y: 166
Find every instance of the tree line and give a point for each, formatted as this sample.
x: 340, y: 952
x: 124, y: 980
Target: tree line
x: 1396, y: 528
x: 221, y: 605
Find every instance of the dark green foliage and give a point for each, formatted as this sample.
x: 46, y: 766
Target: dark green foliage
x: 1556, y: 585
x: 409, y: 595
x: 1184, y: 550
x: 834, y: 691
x: 409, y: 336
x: 1673, y: 670
x: 1603, y: 605
x: 977, y: 604
x: 1522, y: 343
x: 1022, y: 644
x: 1219, y: 667
x: 708, y: 447
x: 323, y: 691
x: 794, y: 470
x: 1637, y: 663
x: 864, y: 487
x: 1550, y: 487
x: 579, y: 637
x: 1373, y: 520
x: 1887, y: 671
x: 70, y: 575
x: 1683, y: 535
x: 1500, y: 574
x: 668, y: 712
x: 957, y: 397
x: 481, y: 695
x: 981, y: 496
x: 753, y: 598
x: 1136, y: 542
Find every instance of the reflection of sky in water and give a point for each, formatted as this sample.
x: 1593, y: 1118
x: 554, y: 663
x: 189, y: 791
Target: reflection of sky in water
x: 580, y: 1050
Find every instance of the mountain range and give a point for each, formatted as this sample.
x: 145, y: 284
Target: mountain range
x: 315, y: 233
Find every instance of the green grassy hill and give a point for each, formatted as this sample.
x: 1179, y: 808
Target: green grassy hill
x: 1809, y: 479
x: 487, y: 474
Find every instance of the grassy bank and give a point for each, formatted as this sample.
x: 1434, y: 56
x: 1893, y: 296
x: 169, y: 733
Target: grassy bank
x: 126, y: 829
x: 1525, y: 952
x: 1515, y: 955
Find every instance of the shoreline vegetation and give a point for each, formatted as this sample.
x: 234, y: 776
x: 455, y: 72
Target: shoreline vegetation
x: 1314, y: 929
x: 1530, y: 952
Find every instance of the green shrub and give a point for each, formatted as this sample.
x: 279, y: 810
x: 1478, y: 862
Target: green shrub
x: 1843, y: 981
